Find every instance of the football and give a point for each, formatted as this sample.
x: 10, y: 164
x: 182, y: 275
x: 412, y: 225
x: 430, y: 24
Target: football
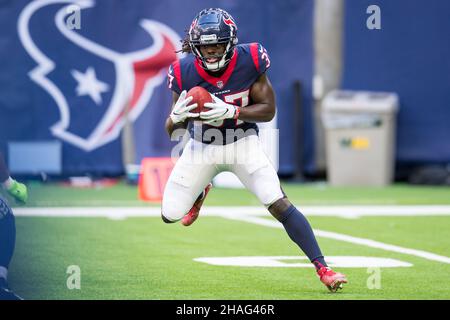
x: 200, y: 96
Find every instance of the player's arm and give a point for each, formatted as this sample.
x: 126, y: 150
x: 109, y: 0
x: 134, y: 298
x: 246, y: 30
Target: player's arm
x: 170, y: 126
x: 263, y: 97
x: 180, y: 112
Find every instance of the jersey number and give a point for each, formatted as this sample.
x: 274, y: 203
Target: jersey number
x: 264, y: 56
x: 240, y: 99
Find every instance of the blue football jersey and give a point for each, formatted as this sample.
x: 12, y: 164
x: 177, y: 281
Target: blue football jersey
x: 248, y: 62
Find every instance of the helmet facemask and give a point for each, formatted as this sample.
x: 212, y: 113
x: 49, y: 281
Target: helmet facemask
x: 222, y: 59
x: 212, y: 27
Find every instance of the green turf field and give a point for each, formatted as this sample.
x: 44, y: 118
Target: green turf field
x: 143, y: 258
x: 51, y: 195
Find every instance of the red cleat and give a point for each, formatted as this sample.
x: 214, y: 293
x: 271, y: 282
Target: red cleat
x: 332, y: 280
x: 192, y: 215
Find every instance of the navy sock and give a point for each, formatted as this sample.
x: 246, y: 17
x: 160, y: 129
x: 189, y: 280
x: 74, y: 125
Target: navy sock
x: 7, y: 234
x: 300, y: 231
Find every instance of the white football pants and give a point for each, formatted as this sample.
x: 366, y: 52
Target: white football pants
x: 200, y: 163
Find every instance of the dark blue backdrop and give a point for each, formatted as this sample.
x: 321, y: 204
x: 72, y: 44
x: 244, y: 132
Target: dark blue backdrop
x: 411, y: 56
x: 28, y: 112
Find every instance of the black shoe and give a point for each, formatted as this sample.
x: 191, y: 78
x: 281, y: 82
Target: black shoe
x: 6, y: 293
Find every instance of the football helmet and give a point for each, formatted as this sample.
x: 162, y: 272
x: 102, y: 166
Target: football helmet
x: 213, y: 26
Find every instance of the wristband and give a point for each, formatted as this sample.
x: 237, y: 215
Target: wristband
x: 236, y: 113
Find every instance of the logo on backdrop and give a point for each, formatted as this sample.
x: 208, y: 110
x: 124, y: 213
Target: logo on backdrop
x: 95, y: 87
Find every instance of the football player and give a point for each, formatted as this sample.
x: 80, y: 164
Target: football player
x: 235, y: 74
x: 15, y: 189
x: 7, y: 244
x: 8, y: 229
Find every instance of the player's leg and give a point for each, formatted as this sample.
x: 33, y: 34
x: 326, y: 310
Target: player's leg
x: 190, y: 176
x: 300, y: 231
x: 192, y: 215
x: 14, y: 188
x: 7, y: 244
x: 259, y: 176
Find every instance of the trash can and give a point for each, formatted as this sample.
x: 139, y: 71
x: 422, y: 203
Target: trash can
x: 360, y: 137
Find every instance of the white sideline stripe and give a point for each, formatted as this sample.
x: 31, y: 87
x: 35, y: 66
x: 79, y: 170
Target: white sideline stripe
x: 333, y: 211
x: 251, y: 215
x: 350, y: 239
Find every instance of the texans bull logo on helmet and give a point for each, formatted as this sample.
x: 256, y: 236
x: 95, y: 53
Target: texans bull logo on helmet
x: 94, y: 87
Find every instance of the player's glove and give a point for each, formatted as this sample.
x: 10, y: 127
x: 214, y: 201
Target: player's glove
x: 181, y: 110
x: 18, y: 191
x: 220, y: 110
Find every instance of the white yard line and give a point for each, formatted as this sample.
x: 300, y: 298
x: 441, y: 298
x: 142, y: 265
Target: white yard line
x: 303, y: 262
x: 346, y: 238
x: 329, y: 211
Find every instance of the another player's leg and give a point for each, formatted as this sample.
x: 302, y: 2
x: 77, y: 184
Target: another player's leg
x: 188, y: 184
x: 7, y: 244
x: 14, y: 188
x: 259, y: 176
